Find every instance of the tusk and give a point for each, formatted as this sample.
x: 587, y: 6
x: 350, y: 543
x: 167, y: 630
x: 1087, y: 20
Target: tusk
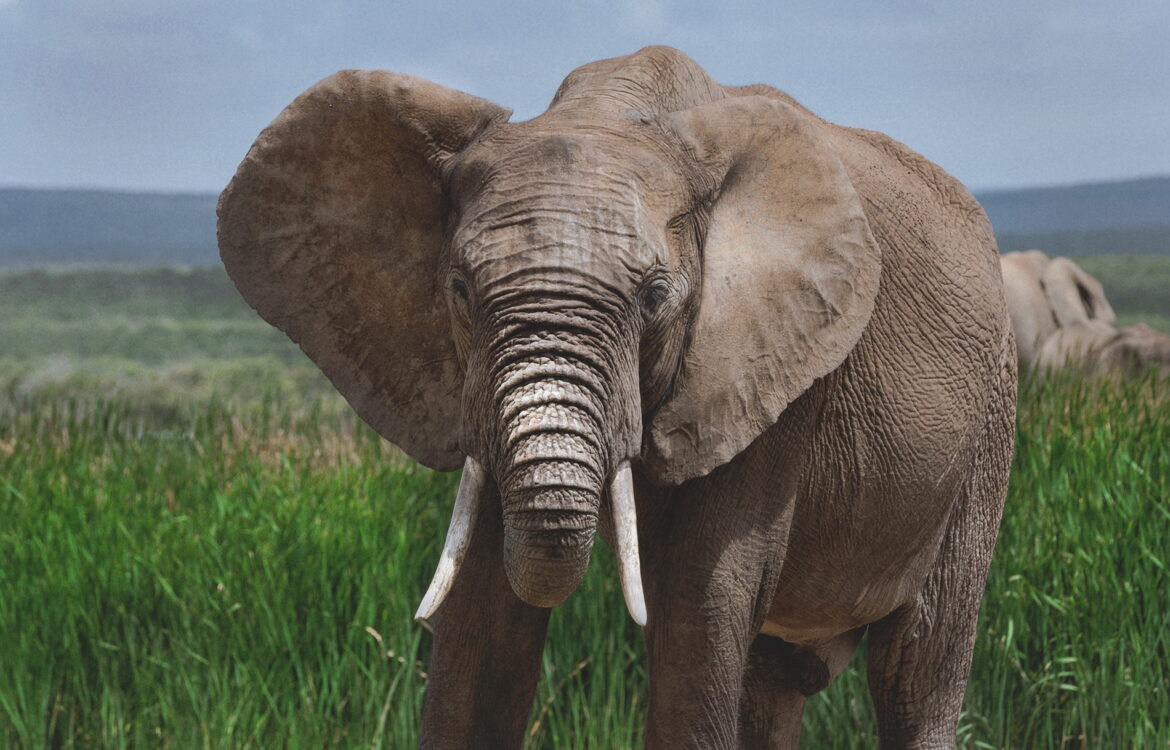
x: 458, y: 538
x: 625, y: 522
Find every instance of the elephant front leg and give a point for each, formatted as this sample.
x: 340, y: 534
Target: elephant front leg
x: 485, y: 660
x: 697, y: 658
x: 710, y: 580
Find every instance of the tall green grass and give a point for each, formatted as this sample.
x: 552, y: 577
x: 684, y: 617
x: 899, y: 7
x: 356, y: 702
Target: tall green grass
x: 1074, y: 648
x: 242, y: 578
x: 243, y: 574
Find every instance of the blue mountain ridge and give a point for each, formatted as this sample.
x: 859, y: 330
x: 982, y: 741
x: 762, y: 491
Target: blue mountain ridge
x: 98, y: 227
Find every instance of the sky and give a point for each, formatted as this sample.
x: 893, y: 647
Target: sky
x: 168, y: 94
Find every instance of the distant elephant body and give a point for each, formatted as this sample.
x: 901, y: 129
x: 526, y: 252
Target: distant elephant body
x: 1097, y: 348
x: 767, y: 357
x: 1063, y: 319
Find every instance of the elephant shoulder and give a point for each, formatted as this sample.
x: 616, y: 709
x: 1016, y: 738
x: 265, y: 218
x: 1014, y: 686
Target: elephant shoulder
x: 886, y: 172
x: 940, y: 262
x: 939, y: 253
x: 886, y: 169
x: 921, y: 214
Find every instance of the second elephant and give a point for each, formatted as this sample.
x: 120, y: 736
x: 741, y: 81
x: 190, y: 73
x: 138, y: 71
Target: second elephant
x: 1062, y: 318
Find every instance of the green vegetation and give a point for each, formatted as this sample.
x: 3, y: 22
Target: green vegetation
x: 216, y: 553
x: 1138, y: 286
x: 157, y: 337
x: 151, y: 317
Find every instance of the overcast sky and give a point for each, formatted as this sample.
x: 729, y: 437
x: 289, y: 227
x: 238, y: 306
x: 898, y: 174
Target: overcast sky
x: 168, y: 94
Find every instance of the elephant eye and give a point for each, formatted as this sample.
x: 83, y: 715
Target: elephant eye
x: 459, y: 299
x: 654, y: 293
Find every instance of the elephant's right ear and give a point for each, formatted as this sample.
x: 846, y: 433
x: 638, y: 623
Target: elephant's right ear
x: 332, y: 229
x: 1075, y: 296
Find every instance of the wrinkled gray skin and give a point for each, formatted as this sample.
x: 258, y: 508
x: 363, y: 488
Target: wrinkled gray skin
x: 794, y: 331
x: 1062, y: 319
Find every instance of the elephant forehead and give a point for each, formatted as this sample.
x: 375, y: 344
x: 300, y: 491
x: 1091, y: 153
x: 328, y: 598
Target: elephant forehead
x: 559, y: 224
x: 562, y: 146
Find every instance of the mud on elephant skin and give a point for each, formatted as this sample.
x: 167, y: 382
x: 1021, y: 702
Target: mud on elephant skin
x: 1063, y: 319
x: 767, y: 357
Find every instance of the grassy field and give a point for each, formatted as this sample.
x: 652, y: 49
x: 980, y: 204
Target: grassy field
x: 200, y: 547
x: 160, y: 338
x: 1138, y: 286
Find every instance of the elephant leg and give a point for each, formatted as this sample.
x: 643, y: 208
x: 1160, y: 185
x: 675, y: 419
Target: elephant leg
x: 485, y: 659
x: 778, y: 679
x: 707, y: 598
x: 920, y: 655
x: 772, y: 704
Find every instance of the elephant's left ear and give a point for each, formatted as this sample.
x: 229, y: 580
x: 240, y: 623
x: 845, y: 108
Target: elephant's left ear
x: 790, y: 274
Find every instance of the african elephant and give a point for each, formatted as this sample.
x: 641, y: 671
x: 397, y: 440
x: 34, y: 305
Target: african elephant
x: 767, y: 357
x: 1044, y: 295
x: 1099, y: 349
x: 1062, y: 318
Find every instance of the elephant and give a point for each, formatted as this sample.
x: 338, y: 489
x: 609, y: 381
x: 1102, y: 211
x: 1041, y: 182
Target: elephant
x: 1062, y: 318
x: 1096, y: 348
x: 767, y: 357
x: 1045, y: 295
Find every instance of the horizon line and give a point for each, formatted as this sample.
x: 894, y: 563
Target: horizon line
x: 211, y: 193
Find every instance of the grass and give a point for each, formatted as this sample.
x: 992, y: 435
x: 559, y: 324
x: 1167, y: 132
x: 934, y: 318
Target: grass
x: 202, y: 548
x: 1076, y: 633
x: 245, y: 576
x: 153, y: 317
x: 1138, y: 286
x: 159, y: 338
x: 241, y: 578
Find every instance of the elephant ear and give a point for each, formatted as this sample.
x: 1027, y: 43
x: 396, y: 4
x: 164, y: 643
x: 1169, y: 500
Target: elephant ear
x: 1075, y: 296
x: 790, y: 274
x: 332, y: 229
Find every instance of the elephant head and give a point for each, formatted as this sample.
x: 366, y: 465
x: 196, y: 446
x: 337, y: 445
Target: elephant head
x: 1075, y: 296
x: 550, y: 302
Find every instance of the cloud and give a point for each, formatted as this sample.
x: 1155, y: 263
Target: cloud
x: 644, y: 15
x: 169, y: 93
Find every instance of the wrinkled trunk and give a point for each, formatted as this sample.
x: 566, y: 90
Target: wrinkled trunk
x: 555, y: 419
x: 551, y: 409
x: 550, y: 516
x: 551, y: 475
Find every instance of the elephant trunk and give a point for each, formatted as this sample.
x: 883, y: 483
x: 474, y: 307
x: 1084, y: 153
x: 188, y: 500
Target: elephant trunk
x: 552, y: 493
x: 556, y: 377
x: 551, y: 479
x: 553, y: 429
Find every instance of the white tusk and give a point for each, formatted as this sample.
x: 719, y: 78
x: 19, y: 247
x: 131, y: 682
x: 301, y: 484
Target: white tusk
x: 458, y: 538
x: 625, y: 522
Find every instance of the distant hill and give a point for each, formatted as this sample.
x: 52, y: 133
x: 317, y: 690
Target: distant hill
x: 1093, y: 206
x: 99, y: 227
x: 1131, y: 216
x: 71, y: 227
